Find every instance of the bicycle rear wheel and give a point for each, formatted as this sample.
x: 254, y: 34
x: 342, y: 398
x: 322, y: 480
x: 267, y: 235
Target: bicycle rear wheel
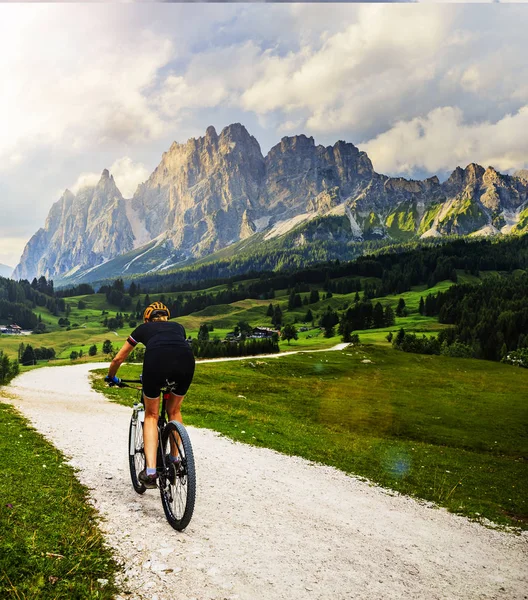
x: 136, y: 453
x: 177, y: 482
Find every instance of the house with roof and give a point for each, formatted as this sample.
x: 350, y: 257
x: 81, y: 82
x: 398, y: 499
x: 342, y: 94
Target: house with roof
x: 12, y: 329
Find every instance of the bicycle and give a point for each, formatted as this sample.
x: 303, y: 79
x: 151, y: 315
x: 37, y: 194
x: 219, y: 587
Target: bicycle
x: 176, y: 480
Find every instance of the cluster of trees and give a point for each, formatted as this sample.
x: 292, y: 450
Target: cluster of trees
x: 218, y: 348
x: 8, y: 368
x: 118, y: 322
x: 27, y: 355
x: 83, y: 289
x: 396, y: 268
x: 296, y: 301
x: 20, y: 314
x: 399, y: 266
x: 410, y: 342
x: 19, y: 300
x: 116, y: 295
x: 491, y: 318
x: 364, y: 315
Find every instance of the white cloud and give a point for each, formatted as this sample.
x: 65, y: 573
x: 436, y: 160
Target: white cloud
x: 75, y: 80
x: 127, y: 175
x: 381, y: 55
x: 442, y: 140
x: 212, y: 78
x: 85, y: 180
x: 83, y: 85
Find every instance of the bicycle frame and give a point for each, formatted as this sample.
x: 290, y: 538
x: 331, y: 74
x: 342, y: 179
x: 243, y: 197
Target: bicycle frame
x: 139, y: 415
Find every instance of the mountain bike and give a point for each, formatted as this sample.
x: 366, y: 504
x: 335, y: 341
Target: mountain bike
x: 176, y: 480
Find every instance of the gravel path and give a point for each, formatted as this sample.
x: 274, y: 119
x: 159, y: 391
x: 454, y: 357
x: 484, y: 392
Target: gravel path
x: 266, y: 526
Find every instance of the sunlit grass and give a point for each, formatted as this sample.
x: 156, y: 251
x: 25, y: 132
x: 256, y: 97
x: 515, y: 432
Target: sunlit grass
x: 50, y: 544
x: 452, y: 431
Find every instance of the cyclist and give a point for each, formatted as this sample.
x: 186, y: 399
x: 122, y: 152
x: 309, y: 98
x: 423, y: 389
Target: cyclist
x: 168, y: 360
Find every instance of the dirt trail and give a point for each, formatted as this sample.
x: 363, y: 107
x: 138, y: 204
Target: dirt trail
x: 266, y: 526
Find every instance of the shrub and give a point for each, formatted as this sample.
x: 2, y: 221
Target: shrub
x: 517, y: 358
x: 8, y: 368
x: 107, y: 347
x: 456, y: 350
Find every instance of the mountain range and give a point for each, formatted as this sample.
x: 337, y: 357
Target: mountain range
x: 216, y: 190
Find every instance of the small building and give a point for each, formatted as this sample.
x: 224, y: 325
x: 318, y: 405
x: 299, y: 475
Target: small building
x: 263, y: 332
x: 12, y: 329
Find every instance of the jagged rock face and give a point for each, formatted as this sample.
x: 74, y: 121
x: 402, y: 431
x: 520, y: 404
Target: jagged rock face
x: 202, y: 189
x: 218, y: 189
x: 477, y: 198
x: 81, y: 231
x: 298, y: 171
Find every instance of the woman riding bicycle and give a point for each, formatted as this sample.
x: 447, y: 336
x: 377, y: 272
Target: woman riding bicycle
x: 168, y: 360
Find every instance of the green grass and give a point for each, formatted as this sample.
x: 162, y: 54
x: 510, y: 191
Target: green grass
x: 50, y: 545
x: 224, y: 318
x: 452, y: 431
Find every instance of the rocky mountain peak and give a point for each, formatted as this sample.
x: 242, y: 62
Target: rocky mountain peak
x: 236, y: 132
x: 210, y: 133
x: 211, y: 191
x: 461, y: 178
x: 473, y: 173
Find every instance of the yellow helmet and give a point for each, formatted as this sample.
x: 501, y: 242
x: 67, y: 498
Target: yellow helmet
x: 156, y: 309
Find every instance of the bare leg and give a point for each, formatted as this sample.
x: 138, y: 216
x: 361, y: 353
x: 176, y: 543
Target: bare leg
x: 150, y: 430
x: 174, y: 412
x: 174, y: 407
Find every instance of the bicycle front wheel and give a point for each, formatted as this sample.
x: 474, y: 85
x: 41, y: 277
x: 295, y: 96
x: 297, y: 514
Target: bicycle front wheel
x: 136, y: 453
x: 177, y: 482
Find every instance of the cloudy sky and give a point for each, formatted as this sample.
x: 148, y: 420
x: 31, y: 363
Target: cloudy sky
x: 421, y: 87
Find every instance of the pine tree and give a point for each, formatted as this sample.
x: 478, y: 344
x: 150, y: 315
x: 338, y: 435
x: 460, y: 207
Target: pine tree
x: 388, y: 316
x: 270, y: 311
x: 314, y: 296
x: 378, y: 316
x: 29, y: 358
x: 203, y: 333
x: 291, y: 301
x: 400, y: 309
x: 277, y: 316
x: 421, y: 306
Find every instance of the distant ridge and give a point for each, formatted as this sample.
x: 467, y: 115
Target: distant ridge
x: 5, y: 271
x: 218, y: 190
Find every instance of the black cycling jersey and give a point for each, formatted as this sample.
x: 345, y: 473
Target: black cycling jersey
x: 168, y: 357
x: 159, y: 334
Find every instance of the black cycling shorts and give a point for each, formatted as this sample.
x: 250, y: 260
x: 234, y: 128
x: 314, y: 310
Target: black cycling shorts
x: 169, y: 363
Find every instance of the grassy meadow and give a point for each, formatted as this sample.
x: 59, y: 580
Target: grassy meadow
x: 450, y: 431
x: 50, y: 545
x: 87, y: 329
